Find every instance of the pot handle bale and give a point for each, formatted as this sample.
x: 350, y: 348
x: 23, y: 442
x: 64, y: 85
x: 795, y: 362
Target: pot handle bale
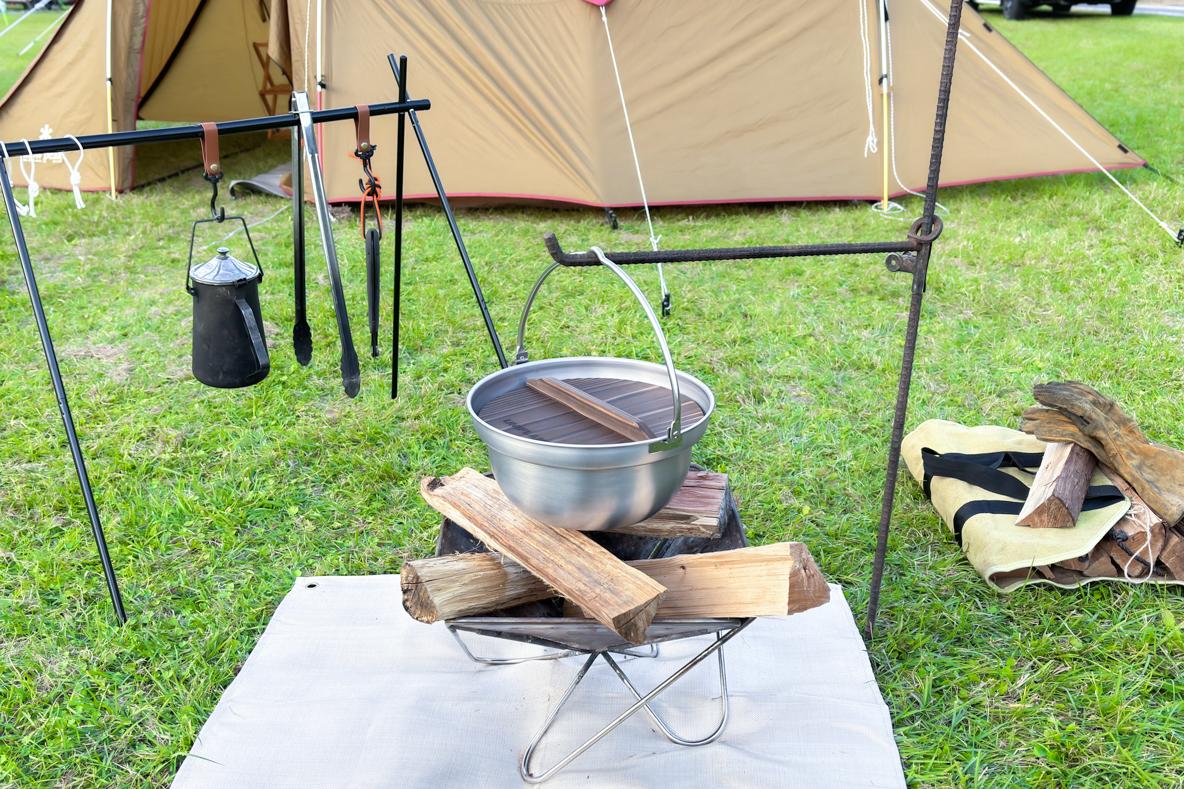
x: 674, y: 432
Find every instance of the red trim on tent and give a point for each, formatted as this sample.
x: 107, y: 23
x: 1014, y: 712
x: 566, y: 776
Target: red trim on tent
x: 735, y: 201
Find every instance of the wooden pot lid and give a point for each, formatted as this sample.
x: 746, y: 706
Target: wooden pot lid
x: 587, y: 411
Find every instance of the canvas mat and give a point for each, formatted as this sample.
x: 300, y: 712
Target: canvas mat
x: 344, y: 689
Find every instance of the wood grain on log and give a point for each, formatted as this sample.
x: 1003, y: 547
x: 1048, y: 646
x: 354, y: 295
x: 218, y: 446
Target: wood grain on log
x: 696, y: 509
x: 771, y: 580
x: 620, y: 597
x: 1058, y: 491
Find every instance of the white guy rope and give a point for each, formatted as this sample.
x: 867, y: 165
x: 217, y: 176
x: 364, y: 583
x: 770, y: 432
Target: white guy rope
x: 44, y: 32
x: 30, y: 175
x: 21, y: 208
x: 307, y: 28
x: 968, y: 41
x: 893, y: 208
x: 871, y: 144
x: 23, y: 17
x: 75, y: 173
x: 633, y: 147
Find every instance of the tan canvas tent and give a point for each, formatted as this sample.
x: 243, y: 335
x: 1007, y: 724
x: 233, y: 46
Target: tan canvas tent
x: 171, y: 60
x: 764, y: 100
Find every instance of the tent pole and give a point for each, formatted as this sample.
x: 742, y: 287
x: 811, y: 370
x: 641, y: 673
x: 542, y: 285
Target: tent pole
x: 925, y: 231
x: 301, y: 333
x: 110, y: 101
x: 885, y: 90
x: 456, y: 236
x: 400, y: 148
x: 59, y: 388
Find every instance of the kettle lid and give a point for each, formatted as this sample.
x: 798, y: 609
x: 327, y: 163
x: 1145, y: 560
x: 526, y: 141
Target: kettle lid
x: 223, y: 269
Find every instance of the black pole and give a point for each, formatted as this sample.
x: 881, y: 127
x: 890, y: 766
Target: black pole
x: 910, y: 341
x: 193, y: 131
x: 59, y: 388
x: 301, y: 333
x: 456, y: 236
x: 398, y: 287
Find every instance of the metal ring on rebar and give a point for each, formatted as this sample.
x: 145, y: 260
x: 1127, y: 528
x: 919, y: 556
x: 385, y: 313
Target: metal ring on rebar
x: 934, y: 230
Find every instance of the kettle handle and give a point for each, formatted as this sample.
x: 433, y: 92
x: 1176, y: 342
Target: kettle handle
x: 262, y: 360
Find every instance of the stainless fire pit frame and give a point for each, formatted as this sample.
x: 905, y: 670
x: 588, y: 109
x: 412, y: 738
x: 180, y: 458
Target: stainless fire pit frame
x: 561, y: 637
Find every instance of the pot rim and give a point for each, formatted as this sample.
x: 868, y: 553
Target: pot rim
x: 708, y: 407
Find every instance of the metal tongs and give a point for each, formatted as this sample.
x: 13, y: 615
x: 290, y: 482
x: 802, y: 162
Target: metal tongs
x: 350, y: 375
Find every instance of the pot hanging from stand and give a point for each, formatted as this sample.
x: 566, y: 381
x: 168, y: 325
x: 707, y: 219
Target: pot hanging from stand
x: 229, y: 348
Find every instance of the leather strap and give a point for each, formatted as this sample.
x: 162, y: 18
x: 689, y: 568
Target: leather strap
x: 210, y: 155
x: 362, y: 129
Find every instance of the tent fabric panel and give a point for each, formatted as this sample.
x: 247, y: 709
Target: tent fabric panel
x: 64, y: 92
x: 215, y: 75
x: 167, y: 20
x: 992, y: 132
x: 508, y: 82
x: 732, y: 101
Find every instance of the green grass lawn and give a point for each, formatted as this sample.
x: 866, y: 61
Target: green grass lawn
x: 214, y: 501
x: 12, y: 61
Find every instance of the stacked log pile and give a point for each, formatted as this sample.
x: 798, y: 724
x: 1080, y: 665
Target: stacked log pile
x: 1087, y: 429
x: 529, y: 562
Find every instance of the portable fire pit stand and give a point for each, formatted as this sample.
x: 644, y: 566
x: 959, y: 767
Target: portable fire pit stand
x: 724, y: 629
x: 542, y: 624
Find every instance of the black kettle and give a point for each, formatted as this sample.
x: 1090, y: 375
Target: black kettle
x: 229, y: 347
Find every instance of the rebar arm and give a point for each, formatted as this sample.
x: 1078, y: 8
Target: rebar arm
x: 726, y: 253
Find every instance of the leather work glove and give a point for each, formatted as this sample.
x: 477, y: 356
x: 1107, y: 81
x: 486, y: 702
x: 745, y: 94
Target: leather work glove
x: 1080, y: 414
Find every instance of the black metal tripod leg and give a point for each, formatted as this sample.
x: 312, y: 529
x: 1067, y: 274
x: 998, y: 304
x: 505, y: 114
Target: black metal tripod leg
x: 456, y: 236
x: 59, y: 388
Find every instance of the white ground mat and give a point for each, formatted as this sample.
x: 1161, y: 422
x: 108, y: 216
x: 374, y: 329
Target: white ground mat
x: 344, y: 689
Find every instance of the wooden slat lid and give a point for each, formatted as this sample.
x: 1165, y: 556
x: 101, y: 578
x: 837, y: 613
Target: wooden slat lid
x: 532, y: 414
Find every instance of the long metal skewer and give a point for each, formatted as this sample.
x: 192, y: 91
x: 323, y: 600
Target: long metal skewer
x: 400, y: 147
x: 59, y: 388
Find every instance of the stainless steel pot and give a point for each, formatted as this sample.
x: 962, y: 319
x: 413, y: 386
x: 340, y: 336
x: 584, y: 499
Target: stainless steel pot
x: 598, y: 486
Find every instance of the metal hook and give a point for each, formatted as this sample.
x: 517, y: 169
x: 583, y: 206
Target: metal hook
x: 216, y: 211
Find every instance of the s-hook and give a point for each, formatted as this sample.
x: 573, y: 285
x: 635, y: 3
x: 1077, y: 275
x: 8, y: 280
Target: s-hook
x: 211, y: 161
x: 371, y: 189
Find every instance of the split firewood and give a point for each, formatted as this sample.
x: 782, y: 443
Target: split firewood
x: 1058, y: 491
x: 770, y: 580
x: 1140, y: 533
x: 1077, y: 413
x: 1101, y: 565
x: 1172, y: 556
x: 1077, y: 564
x: 696, y: 510
x: 620, y: 597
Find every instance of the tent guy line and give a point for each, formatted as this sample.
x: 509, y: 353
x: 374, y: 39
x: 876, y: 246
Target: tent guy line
x: 654, y: 239
x: 1175, y: 235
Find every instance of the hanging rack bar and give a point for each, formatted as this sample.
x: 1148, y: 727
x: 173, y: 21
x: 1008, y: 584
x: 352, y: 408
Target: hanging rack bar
x: 726, y: 253
x: 193, y: 131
